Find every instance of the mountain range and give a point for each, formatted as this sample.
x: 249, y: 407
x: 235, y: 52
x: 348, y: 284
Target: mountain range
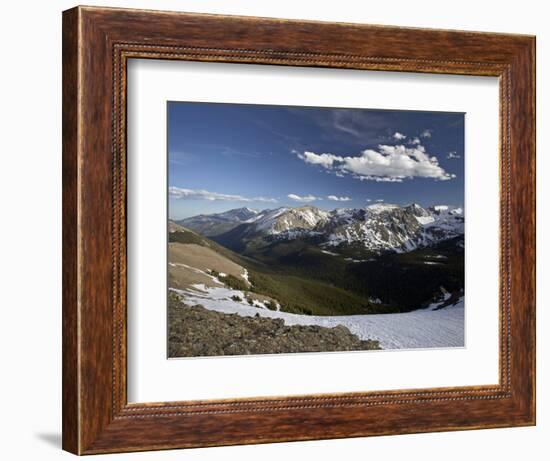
x: 375, y: 229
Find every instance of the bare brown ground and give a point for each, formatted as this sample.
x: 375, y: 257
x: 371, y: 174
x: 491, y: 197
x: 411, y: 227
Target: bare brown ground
x: 202, y: 258
x: 189, y: 263
x: 198, y: 258
x: 183, y: 277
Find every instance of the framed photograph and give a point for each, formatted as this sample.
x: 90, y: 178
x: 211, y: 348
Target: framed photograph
x: 321, y: 263
x: 282, y: 230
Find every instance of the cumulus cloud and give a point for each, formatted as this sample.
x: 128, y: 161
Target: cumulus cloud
x: 302, y: 198
x: 415, y: 141
x: 380, y: 200
x: 200, y: 194
x: 338, y: 199
x: 453, y: 154
x: 426, y: 134
x: 399, y: 136
x: 384, y: 164
x: 325, y: 160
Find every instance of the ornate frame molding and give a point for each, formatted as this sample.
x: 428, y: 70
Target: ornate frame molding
x: 98, y: 43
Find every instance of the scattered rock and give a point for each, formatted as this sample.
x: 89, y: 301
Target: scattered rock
x: 196, y: 331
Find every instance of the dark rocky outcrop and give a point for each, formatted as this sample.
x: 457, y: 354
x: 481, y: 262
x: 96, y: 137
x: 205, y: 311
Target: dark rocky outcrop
x: 196, y: 331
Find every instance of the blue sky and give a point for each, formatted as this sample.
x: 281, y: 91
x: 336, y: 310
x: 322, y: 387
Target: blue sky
x: 223, y: 156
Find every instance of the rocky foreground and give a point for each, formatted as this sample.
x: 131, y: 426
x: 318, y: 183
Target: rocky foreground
x: 198, y: 332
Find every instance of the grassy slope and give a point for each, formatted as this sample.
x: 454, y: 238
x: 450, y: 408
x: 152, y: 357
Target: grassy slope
x: 295, y: 292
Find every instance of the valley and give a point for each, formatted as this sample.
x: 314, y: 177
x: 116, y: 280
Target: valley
x: 337, y: 263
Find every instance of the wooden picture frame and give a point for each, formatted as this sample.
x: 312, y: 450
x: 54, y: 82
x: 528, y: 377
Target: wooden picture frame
x: 97, y: 43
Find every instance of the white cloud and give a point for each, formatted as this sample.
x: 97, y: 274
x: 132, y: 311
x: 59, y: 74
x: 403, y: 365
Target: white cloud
x: 200, y: 194
x: 385, y: 164
x: 399, y: 136
x: 325, y: 160
x: 415, y: 141
x: 379, y: 178
x: 302, y: 198
x: 369, y: 200
x: 453, y: 154
x: 426, y: 134
x: 338, y: 199
x: 380, y: 200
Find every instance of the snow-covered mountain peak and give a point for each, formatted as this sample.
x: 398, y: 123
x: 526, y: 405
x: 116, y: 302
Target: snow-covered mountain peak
x: 379, y: 227
x: 389, y: 227
x: 445, y: 210
x: 440, y: 207
x: 240, y: 214
x: 284, y: 219
x: 381, y: 207
x: 417, y: 210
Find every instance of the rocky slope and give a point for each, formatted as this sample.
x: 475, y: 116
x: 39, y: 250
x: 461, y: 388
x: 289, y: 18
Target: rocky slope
x: 195, y: 331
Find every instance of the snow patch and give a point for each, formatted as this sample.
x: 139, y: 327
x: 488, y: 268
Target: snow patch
x: 425, y: 219
x: 245, y: 276
x: 358, y: 260
x: 197, y: 271
x: 423, y: 328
